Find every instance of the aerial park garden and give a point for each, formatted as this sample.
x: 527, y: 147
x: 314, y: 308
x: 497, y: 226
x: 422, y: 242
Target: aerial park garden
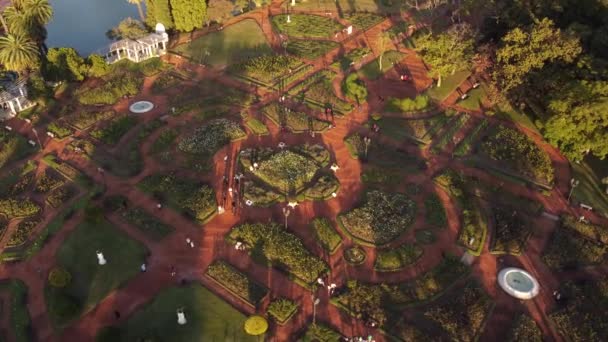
x: 311, y: 170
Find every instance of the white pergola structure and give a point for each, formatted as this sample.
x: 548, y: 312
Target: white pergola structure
x: 152, y: 45
x: 13, y: 99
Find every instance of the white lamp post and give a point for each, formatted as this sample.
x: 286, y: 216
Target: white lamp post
x: 286, y: 212
x: 315, y: 302
x: 573, y: 184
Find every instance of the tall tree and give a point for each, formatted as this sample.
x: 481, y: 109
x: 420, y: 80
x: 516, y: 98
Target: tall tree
x: 523, y: 52
x: 18, y: 53
x: 447, y: 52
x: 139, y: 9
x: 188, y: 14
x: 158, y: 11
x: 39, y: 12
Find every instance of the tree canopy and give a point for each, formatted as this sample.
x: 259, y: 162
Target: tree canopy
x: 188, y: 14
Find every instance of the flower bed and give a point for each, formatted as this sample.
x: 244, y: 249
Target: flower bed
x: 15, y: 208
x: 64, y: 168
x: 462, y: 315
x: 434, y: 211
x: 112, y: 90
x: 23, y: 231
x: 355, y: 255
x: 264, y: 70
x: 259, y: 195
x: 84, y: 119
x: 59, y: 130
x: 145, y: 222
x: 310, y: 49
x: 420, y: 131
x: 322, y: 333
x: 211, y: 137
x: 115, y: 129
x: 518, y: 152
x: 320, y: 93
x: 588, y: 230
x: 280, y: 248
x: 326, y: 235
x: 282, y: 309
x: 568, y: 249
x: 297, y: 122
x: 49, y: 180
x: 305, y: 25
x: 236, y: 282
x: 381, y: 218
x: 323, y: 188
x: 394, y: 259
x: 363, y: 20
x: 525, y: 329
x: 448, y: 136
x: 510, y: 232
x: 60, y: 196
x: 17, y: 180
x: 192, y: 198
x: 407, y: 105
x: 355, y: 146
x: 466, y: 145
x: 257, y: 127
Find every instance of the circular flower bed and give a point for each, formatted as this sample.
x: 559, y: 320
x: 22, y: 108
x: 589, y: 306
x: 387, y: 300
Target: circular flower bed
x: 354, y: 255
x: 256, y: 325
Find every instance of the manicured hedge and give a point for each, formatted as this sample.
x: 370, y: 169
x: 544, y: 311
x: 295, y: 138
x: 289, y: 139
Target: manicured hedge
x: 326, y: 235
x: 145, y: 222
x: 282, y: 309
x: 236, y: 282
x: 394, y: 259
x: 434, y: 211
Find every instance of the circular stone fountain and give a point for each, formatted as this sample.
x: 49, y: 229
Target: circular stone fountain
x: 518, y: 283
x: 141, y: 107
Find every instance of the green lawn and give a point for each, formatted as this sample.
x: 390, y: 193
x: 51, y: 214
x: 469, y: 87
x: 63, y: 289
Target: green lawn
x: 92, y: 282
x: 306, y: 25
x: 372, y: 71
x: 257, y: 126
x: 242, y: 39
x: 209, y: 318
x: 475, y: 99
x: 507, y: 112
x: 448, y: 85
x: 590, y: 189
x: 343, y: 6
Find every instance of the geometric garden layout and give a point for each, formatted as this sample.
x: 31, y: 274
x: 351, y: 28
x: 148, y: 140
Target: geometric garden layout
x: 302, y: 186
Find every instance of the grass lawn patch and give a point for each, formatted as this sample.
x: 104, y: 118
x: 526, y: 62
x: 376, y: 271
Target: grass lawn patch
x: 92, y: 282
x: 475, y: 99
x: 241, y: 41
x: 306, y: 25
x: 590, y: 189
x: 570, y: 249
x: 362, y: 20
x: 381, y: 218
x: 463, y: 313
x: 145, y: 222
x: 209, y: 318
x: 416, y: 130
x: 256, y: 126
x: 372, y: 71
x: 394, y: 259
x: 115, y: 129
x: 326, y: 235
x: 273, y: 244
x: 448, y: 85
x: 13, y: 146
x: 310, y: 49
x: 16, y: 309
x: 236, y: 282
x: 435, y: 212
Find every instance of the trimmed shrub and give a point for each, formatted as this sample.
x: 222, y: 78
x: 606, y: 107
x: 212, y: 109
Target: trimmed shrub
x: 59, y: 277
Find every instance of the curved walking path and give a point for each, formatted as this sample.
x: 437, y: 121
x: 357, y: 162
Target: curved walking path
x: 210, y: 245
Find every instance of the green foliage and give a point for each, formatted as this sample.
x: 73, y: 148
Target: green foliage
x: 355, y: 255
x: 434, y: 211
x: 354, y: 144
x: 407, y: 105
x: 583, y: 317
x: 363, y: 20
x: 396, y: 258
x: 326, y: 235
x: 448, y: 135
x: 64, y: 64
x: 48, y: 181
x: 462, y: 314
x: 115, y: 129
x: 145, y: 222
x: 588, y: 230
x: 12, y: 207
x: 323, y: 188
x: 381, y: 218
x: 19, y: 317
x: 59, y: 277
x: 211, y: 137
x: 257, y: 126
x: 364, y: 301
x: 321, y: 333
x: 188, y: 14
x: 158, y: 11
x: 305, y: 25
x: 373, y: 71
x: 296, y: 121
x: 97, y: 66
x: 510, y: 232
x: 59, y: 130
x: 525, y: 51
x: 520, y: 153
x: 18, y: 52
x: 191, y: 197
x: 60, y: 196
x: 13, y: 146
x: 128, y: 28
x: 164, y: 141
x: 236, y: 282
x: 23, y: 232
x: 281, y: 248
x: 466, y: 144
x: 354, y: 88
x: 265, y: 68
x: 111, y: 91
x: 569, y: 249
x: 525, y: 329
x: 282, y: 309
x: 352, y: 57
x: 310, y: 49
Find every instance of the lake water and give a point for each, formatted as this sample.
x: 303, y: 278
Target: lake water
x: 82, y: 24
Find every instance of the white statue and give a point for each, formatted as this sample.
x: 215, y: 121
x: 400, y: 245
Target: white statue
x: 101, y: 260
x: 288, y: 18
x: 181, y: 317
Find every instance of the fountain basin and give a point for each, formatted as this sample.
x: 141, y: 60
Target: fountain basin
x: 518, y: 283
x: 141, y: 107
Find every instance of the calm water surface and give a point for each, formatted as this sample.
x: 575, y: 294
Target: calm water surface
x: 82, y: 24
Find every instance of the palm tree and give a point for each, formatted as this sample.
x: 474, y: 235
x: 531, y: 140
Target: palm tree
x: 18, y: 52
x: 39, y: 12
x: 18, y: 22
x: 138, y: 3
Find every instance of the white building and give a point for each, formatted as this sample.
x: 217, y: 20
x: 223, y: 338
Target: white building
x: 152, y: 45
x: 13, y: 98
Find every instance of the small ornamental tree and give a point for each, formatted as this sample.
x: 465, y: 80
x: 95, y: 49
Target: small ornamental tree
x: 59, y: 277
x: 256, y: 325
